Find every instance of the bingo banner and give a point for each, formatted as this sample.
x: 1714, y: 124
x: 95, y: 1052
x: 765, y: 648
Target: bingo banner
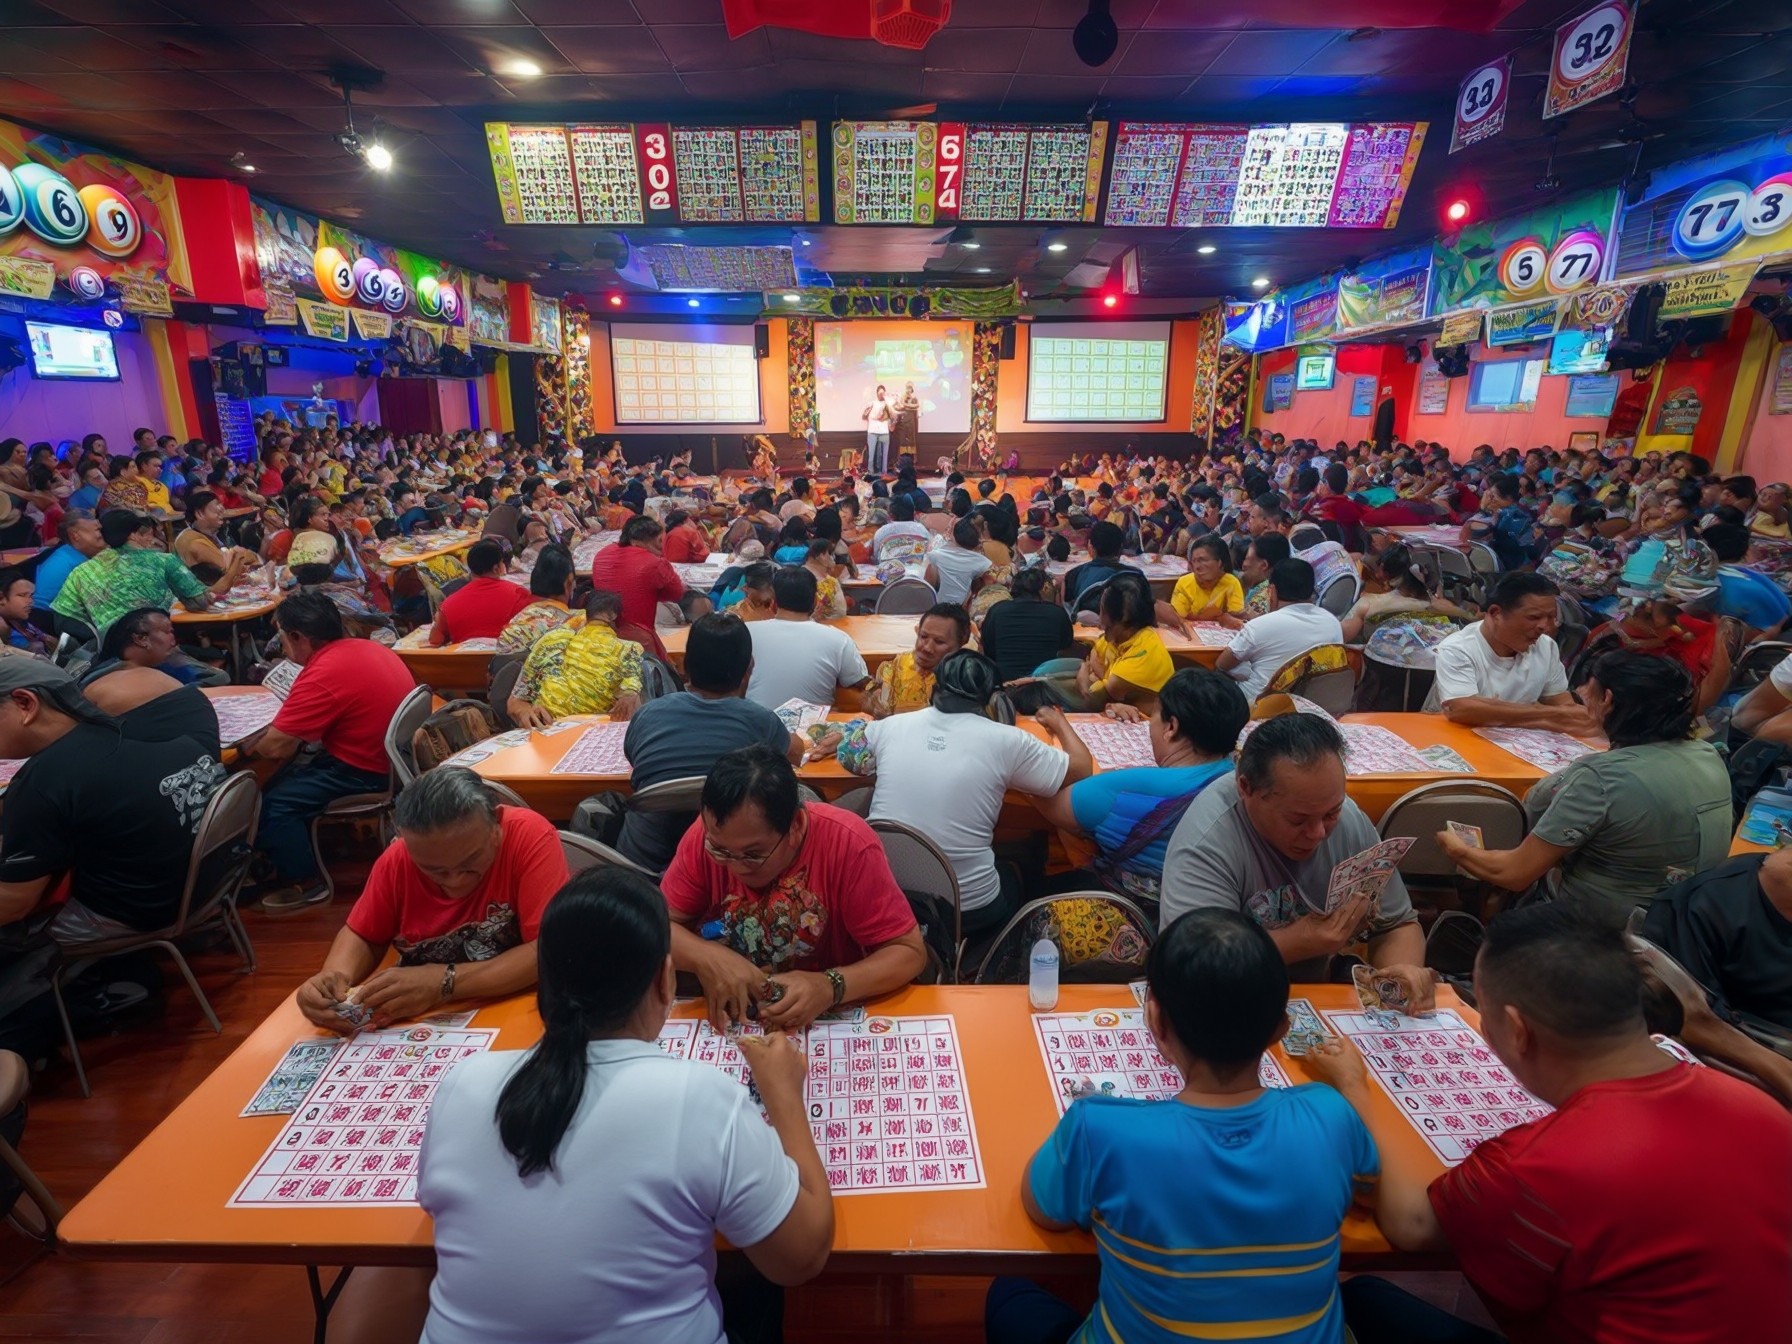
x: 1726, y: 207
x: 1258, y: 326
x: 305, y: 257
x: 488, y: 310
x: 1524, y: 323
x: 79, y: 226
x: 1312, y: 309
x: 1553, y: 250
x: 546, y: 326
x: 1386, y: 291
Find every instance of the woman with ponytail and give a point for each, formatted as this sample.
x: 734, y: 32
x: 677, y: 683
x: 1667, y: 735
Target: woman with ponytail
x: 578, y: 1189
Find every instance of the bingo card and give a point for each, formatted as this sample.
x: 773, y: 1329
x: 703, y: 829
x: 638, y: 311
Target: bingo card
x: 1209, y: 182
x: 1370, y: 749
x: 1541, y: 747
x: 239, y: 716
x: 1114, y: 745
x: 534, y: 174
x: 883, y: 172
x: 1109, y: 1052
x: 607, y: 173
x: 597, y: 752
x: 1142, y: 181
x: 778, y: 173
x: 1442, y: 1076
x: 995, y: 173
x: 1212, y: 635
x: 356, y: 1136
x: 887, y: 1099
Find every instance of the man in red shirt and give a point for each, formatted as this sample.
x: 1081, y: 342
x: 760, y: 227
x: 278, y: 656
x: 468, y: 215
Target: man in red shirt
x: 482, y: 606
x: 1332, y: 504
x: 1654, y: 1204
x: 684, y: 544
x: 634, y: 569
x: 459, y: 895
x: 806, y: 913
x: 344, y: 699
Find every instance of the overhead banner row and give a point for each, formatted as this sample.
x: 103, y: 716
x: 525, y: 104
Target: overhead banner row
x: 1141, y: 175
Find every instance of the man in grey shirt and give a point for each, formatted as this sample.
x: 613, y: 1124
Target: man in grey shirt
x: 1265, y: 839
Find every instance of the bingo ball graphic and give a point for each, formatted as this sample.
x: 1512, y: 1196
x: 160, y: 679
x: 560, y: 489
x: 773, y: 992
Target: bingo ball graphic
x: 369, y: 288
x: 12, y: 202
x: 429, y: 295
x: 53, y: 209
x: 393, y: 293
x: 449, y: 300
x: 335, y: 277
x: 114, y: 229
x: 86, y: 282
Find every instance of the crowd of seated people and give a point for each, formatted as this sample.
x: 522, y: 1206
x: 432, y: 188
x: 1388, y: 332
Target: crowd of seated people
x: 783, y: 908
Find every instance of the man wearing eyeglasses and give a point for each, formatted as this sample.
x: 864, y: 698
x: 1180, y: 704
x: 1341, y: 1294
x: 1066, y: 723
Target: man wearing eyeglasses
x: 784, y: 909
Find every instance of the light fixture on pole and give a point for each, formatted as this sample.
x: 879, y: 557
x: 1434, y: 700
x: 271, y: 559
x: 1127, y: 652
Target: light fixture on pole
x: 371, y: 148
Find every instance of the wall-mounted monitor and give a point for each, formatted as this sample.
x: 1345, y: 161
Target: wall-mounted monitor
x: 71, y: 352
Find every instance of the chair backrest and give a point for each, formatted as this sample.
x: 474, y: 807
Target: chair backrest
x: 906, y: 597
x: 1323, y: 675
x: 927, y: 878
x: 1102, y: 938
x: 669, y: 795
x: 230, y: 818
x: 411, y: 713
x: 506, y: 672
x: 856, y: 801
x: 1304, y: 536
x: 506, y: 795
x: 1422, y: 812
x: 1340, y: 595
x: 658, y: 678
x: 583, y: 852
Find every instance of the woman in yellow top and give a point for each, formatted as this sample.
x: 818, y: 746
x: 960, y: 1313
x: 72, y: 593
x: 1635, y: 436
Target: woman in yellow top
x: 1128, y: 664
x: 1210, y: 591
x: 906, y: 682
x: 830, y: 598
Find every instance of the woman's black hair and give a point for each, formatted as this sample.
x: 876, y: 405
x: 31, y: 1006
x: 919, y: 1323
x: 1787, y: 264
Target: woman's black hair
x: 827, y: 523
x: 965, y: 682
x: 1029, y: 582
x: 1128, y: 603
x: 554, y: 565
x: 1003, y: 525
x: 1404, y: 574
x: 1652, y: 697
x: 602, y: 944
x: 959, y: 504
x: 1209, y: 708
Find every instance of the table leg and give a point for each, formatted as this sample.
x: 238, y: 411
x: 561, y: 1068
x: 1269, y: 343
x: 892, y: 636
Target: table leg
x: 323, y: 1300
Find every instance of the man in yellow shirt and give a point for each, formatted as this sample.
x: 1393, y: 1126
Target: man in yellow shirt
x: 906, y: 682
x: 149, y: 476
x: 590, y: 670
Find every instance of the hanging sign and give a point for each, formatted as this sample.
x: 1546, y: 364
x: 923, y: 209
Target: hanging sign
x: 1481, y: 104
x: 1554, y: 249
x: 1782, y: 383
x: 1726, y: 206
x: 1434, y: 392
x: 24, y: 277
x: 323, y: 320
x: 1461, y: 328
x: 1717, y: 289
x: 1526, y: 323
x: 1591, y: 55
x: 371, y: 326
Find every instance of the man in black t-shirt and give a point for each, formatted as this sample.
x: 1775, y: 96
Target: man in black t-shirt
x: 1028, y: 630
x: 1731, y: 928
x: 114, y: 803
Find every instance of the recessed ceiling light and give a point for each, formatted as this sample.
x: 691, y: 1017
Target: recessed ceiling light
x: 982, y: 270
x: 1261, y: 282
x: 1207, y: 249
x: 1057, y: 247
x: 379, y: 158
x: 793, y: 298
x: 615, y: 300
x: 523, y: 69
x: 693, y: 303
x: 970, y: 244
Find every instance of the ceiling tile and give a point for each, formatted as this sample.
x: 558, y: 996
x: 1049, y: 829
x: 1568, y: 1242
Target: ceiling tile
x: 1129, y: 15
x: 1049, y: 53
x: 599, y: 51
x: 957, y: 86
x: 1187, y: 54
x: 1144, y: 88
x: 122, y: 91
x: 1261, y: 53
x: 325, y: 12
x: 75, y: 49
x: 228, y: 13
x: 1030, y: 90
x: 192, y: 47
x: 92, y: 11
x: 496, y: 49
x: 396, y: 48
x: 707, y: 46
x: 986, y: 49
x: 993, y: 14
x: 496, y: 13
x: 1234, y: 91
x: 548, y: 12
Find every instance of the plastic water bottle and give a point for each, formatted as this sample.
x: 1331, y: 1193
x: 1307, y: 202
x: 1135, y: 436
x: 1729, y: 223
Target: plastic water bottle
x: 1042, y: 976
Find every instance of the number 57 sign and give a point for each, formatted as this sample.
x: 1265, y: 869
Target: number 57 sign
x: 1591, y: 54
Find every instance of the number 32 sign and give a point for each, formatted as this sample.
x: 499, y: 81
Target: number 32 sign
x: 1591, y: 55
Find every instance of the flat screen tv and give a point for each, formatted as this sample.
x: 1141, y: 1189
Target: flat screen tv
x: 71, y: 352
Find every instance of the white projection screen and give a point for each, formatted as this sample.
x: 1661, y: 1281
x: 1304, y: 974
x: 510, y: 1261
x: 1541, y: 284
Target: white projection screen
x: 684, y: 374
x: 852, y: 358
x: 1108, y: 372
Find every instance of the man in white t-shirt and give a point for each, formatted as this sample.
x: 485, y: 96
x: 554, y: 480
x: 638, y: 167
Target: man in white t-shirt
x: 944, y: 770
x: 1766, y: 711
x: 794, y: 657
x: 902, y: 537
x: 1505, y: 671
x: 1293, y: 625
x: 955, y: 570
x: 879, y: 416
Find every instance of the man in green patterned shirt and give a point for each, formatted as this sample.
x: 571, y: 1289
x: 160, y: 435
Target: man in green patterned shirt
x: 130, y: 573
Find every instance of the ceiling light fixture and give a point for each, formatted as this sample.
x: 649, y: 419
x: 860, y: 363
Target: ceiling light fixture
x: 1261, y: 282
x: 371, y: 150
x: 523, y: 68
x: 970, y: 244
x: 615, y: 300
x: 982, y: 270
x: 239, y: 162
x: 1057, y: 246
x: 1108, y: 300
x: 1096, y: 37
x: 1207, y: 249
x: 693, y: 303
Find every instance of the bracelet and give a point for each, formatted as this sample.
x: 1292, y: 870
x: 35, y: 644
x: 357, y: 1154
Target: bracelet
x: 448, y: 982
x: 838, y: 981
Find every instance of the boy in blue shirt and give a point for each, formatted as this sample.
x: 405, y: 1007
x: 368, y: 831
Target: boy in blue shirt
x: 1216, y: 1212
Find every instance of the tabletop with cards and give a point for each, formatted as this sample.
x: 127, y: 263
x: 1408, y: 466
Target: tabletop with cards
x: 926, y: 1107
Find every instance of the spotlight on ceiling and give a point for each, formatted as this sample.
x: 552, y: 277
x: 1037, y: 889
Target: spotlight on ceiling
x: 370, y: 149
x: 1057, y: 245
x: 1456, y: 211
x: 241, y: 163
x: 615, y: 300
x: 1261, y: 282
x: 1097, y: 36
x: 379, y: 158
x: 522, y: 68
x: 1207, y: 249
x: 970, y: 244
x: 1108, y: 301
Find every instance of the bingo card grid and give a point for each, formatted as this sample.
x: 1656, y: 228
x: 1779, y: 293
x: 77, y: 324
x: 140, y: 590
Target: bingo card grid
x: 1209, y: 183
x: 1142, y: 181
x: 1096, y: 380
x: 607, y: 173
x: 1057, y: 173
x: 709, y: 178
x: 356, y: 1136
x: 1114, y: 1046
x: 1441, y: 1075
x: 1288, y: 175
x: 886, y: 1097
x: 876, y: 180
x: 661, y: 382
x: 542, y: 163
x: 772, y: 174
x: 1371, y: 179
x: 597, y: 752
x: 995, y: 172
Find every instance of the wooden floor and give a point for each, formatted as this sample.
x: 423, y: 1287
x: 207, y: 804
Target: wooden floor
x: 141, y: 1073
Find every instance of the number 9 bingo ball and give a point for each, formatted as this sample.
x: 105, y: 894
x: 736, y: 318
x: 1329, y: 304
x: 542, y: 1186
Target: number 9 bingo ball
x: 115, y: 230
x: 335, y: 277
x: 53, y: 209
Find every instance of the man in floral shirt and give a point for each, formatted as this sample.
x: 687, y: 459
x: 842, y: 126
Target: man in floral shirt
x: 784, y: 904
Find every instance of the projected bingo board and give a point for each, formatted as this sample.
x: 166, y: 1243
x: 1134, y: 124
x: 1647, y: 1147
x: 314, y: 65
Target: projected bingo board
x: 1097, y: 372
x: 1300, y: 175
x: 652, y: 173
x: 913, y: 172
x: 665, y: 377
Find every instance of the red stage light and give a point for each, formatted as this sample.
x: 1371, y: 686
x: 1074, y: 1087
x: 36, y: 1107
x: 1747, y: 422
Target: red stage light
x: 1456, y: 211
x: 1108, y: 301
x: 615, y: 300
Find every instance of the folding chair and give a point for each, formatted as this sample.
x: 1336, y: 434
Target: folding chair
x: 506, y: 672
x: 1421, y: 813
x: 1102, y: 938
x: 45, y: 1214
x: 927, y: 878
x: 1305, y: 536
x: 1323, y: 675
x: 906, y: 597
x: 412, y: 711
x: 1340, y: 595
x: 229, y: 820
x: 583, y: 852
x: 376, y: 805
x: 856, y: 801
x: 505, y: 795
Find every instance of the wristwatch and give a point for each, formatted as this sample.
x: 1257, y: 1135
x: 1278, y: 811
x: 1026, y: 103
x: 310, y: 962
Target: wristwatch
x: 448, y: 982
x: 838, y: 981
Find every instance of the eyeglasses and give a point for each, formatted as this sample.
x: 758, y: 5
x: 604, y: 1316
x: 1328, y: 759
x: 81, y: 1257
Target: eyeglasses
x: 721, y: 855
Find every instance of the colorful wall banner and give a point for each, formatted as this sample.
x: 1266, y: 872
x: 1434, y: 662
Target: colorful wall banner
x: 1554, y: 249
x: 1524, y: 323
x: 1278, y: 392
x: 883, y: 301
x: 1716, y: 289
x: 1312, y: 309
x: 1258, y: 326
x: 1601, y: 306
x: 1386, y: 291
x: 301, y: 256
x: 1461, y: 328
x: 1590, y: 57
x: 101, y: 223
x: 1481, y: 104
x: 547, y: 324
x: 1678, y: 411
x: 26, y: 278
x: 1781, y: 404
x: 1726, y: 207
x: 323, y: 320
x: 371, y: 326
x: 488, y: 310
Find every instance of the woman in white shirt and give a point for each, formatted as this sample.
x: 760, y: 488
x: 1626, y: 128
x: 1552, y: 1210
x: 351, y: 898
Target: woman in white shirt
x: 878, y: 417
x: 578, y: 1189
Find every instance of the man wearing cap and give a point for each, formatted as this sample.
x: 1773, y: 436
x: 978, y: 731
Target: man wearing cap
x: 112, y: 802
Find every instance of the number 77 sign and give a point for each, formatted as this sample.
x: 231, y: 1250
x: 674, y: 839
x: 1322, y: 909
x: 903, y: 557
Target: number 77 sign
x: 1590, y: 58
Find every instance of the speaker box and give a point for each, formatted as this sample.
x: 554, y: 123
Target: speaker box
x: 762, y: 341
x: 1645, y: 310
x: 1008, y: 340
